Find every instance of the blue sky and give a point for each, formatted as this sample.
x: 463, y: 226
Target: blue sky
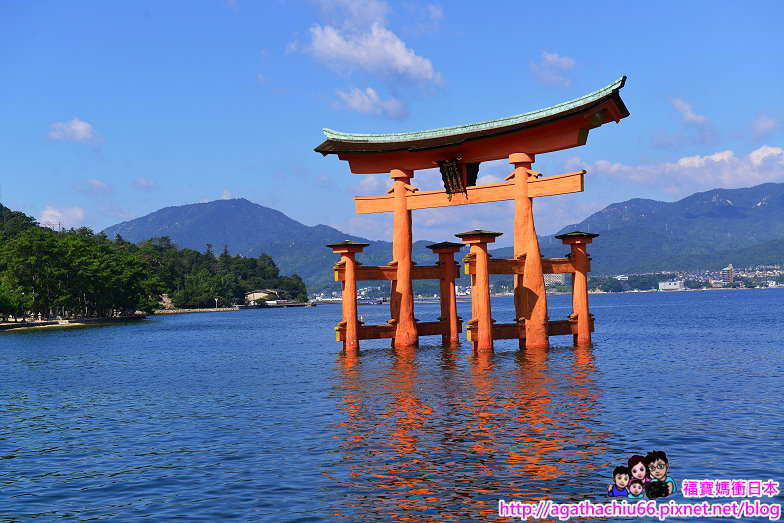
x: 112, y: 110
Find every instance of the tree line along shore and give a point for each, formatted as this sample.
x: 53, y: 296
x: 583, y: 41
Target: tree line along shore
x: 75, y: 273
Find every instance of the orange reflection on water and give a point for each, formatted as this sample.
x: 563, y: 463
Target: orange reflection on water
x: 532, y: 400
x: 440, y: 434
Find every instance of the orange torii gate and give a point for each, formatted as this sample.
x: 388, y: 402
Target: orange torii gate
x: 458, y: 151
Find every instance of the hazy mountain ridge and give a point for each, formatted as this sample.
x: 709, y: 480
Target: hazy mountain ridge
x: 250, y: 229
x: 704, y: 230
x: 754, y: 214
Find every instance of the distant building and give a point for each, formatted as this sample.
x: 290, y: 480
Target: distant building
x: 727, y: 274
x: 672, y: 285
x: 622, y: 277
x: 265, y: 294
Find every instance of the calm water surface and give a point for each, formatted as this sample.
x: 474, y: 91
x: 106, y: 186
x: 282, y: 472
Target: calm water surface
x: 256, y: 415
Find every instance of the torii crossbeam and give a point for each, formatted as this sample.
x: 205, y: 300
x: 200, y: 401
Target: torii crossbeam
x: 458, y: 150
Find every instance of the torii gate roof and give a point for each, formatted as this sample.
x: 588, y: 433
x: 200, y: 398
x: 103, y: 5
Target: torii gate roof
x: 558, y: 127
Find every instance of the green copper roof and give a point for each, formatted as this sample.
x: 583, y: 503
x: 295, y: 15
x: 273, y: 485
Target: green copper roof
x: 478, y: 126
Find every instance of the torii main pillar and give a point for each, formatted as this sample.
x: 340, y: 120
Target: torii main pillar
x: 530, y: 297
x: 402, y: 299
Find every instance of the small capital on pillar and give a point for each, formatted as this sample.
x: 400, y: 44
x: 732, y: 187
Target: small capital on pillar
x: 576, y: 237
x: 521, y: 158
x: 347, y: 246
x: 401, y: 173
x: 445, y: 247
x: 478, y: 236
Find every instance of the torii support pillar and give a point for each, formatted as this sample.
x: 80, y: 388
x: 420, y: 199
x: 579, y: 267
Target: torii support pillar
x: 348, y: 250
x: 482, y: 323
x: 402, y: 298
x: 530, y: 296
x: 579, y: 258
x: 448, y: 272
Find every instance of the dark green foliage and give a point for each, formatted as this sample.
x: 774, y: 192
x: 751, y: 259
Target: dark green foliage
x: 611, y: 285
x: 13, y: 222
x: 749, y: 283
x: 695, y: 284
x: 194, y: 279
x: 72, y: 273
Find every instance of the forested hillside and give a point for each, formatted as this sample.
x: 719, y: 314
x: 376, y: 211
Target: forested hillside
x: 77, y: 273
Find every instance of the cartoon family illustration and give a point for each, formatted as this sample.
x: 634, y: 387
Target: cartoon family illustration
x: 643, y: 476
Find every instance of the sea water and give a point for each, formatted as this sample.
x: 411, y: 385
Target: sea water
x: 257, y: 416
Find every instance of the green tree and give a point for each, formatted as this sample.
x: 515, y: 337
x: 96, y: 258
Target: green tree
x: 611, y: 285
x: 12, y: 223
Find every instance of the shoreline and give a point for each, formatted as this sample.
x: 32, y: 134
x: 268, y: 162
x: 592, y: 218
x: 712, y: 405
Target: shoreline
x: 191, y: 311
x: 94, y: 322
x: 236, y: 308
x: 67, y: 324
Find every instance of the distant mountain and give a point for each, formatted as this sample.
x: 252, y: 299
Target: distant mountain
x: 705, y: 230
x: 250, y: 229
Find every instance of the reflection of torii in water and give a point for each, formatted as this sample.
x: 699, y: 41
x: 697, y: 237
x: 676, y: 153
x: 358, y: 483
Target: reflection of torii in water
x: 458, y: 150
x: 412, y: 444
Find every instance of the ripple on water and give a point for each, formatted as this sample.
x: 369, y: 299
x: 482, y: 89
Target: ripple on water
x: 255, y: 416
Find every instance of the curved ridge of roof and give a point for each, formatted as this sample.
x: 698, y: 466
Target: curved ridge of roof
x: 477, y: 126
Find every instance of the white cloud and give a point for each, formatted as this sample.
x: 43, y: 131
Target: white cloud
x: 368, y: 102
x: 144, y: 184
x: 371, y: 185
x: 355, y: 36
x: 765, y: 152
x: 764, y: 125
x: 93, y: 186
x: 226, y: 195
x: 702, y: 161
x: 56, y: 217
x: 436, y: 13
x: 697, y: 173
x: 74, y: 130
x: 687, y: 114
x: 488, y: 178
x: 706, y: 133
x: 551, y: 68
x: 376, y: 50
